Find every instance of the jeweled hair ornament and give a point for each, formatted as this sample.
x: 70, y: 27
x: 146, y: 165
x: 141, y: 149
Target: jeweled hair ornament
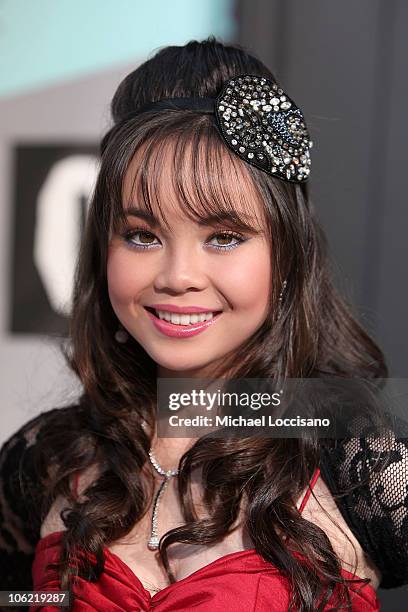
x: 258, y: 121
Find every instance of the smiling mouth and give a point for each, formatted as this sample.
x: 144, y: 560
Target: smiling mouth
x: 182, y: 318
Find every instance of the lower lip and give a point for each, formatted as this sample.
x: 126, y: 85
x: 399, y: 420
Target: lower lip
x: 181, y: 331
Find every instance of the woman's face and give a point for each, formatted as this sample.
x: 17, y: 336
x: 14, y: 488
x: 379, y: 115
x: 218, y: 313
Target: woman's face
x: 154, y: 272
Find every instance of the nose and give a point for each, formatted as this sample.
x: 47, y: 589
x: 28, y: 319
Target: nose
x: 181, y: 270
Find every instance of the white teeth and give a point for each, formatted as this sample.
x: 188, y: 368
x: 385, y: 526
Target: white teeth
x: 184, y: 319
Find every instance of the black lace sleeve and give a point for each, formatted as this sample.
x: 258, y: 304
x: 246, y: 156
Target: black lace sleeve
x: 368, y: 477
x: 21, y: 505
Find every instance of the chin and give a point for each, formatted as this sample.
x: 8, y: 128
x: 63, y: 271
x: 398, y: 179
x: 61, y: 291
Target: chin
x: 186, y: 366
x: 181, y: 367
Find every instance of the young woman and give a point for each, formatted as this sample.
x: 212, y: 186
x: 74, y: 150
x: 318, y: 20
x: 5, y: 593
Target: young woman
x: 202, y: 258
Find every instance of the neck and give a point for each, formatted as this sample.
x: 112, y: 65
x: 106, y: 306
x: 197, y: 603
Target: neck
x: 168, y: 451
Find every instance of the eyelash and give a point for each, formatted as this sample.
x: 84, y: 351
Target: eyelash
x: 127, y: 236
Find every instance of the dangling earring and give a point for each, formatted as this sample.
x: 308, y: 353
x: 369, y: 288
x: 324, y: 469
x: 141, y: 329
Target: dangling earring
x: 280, y: 300
x: 121, y: 335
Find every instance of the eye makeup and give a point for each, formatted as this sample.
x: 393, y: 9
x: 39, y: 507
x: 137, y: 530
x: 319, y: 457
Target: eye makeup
x: 129, y: 235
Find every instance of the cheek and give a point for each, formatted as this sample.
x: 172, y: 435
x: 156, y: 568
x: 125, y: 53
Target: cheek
x: 117, y: 277
x: 124, y: 280
x: 248, y: 284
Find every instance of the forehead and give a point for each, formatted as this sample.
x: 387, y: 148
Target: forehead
x: 185, y: 175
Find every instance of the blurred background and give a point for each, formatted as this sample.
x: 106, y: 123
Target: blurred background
x: 60, y: 61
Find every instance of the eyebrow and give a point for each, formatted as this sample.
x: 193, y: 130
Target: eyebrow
x: 207, y: 221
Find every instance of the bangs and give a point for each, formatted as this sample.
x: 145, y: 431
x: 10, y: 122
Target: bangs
x: 191, y: 169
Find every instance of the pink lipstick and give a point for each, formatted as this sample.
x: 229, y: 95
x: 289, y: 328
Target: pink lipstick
x: 181, y: 309
x: 181, y: 331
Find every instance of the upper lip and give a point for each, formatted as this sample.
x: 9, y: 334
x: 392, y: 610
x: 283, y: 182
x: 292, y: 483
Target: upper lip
x: 181, y: 309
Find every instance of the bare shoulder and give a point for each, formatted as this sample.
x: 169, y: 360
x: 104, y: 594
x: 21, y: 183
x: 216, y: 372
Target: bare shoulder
x: 53, y: 521
x: 321, y: 509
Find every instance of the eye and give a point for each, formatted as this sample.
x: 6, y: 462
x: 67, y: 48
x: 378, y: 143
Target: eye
x: 224, y: 240
x: 140, y: 239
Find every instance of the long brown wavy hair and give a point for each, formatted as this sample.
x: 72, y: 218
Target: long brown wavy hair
x: 315, y: 336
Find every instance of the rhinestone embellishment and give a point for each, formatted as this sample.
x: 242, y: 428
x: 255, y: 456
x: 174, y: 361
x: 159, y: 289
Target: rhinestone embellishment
x: 264, y: 127
x: 153, y: 543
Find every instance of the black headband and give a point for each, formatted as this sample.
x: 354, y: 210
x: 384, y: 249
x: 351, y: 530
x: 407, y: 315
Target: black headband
x: 258, y: 121
x: 202, y: 105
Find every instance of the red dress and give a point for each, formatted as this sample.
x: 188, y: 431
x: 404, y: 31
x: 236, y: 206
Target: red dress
x: 238, y: 581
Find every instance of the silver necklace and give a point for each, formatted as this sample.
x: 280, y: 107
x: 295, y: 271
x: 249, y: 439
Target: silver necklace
x: 153, y: 543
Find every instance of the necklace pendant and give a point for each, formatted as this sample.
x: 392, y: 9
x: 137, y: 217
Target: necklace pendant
x: 153, y: 543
